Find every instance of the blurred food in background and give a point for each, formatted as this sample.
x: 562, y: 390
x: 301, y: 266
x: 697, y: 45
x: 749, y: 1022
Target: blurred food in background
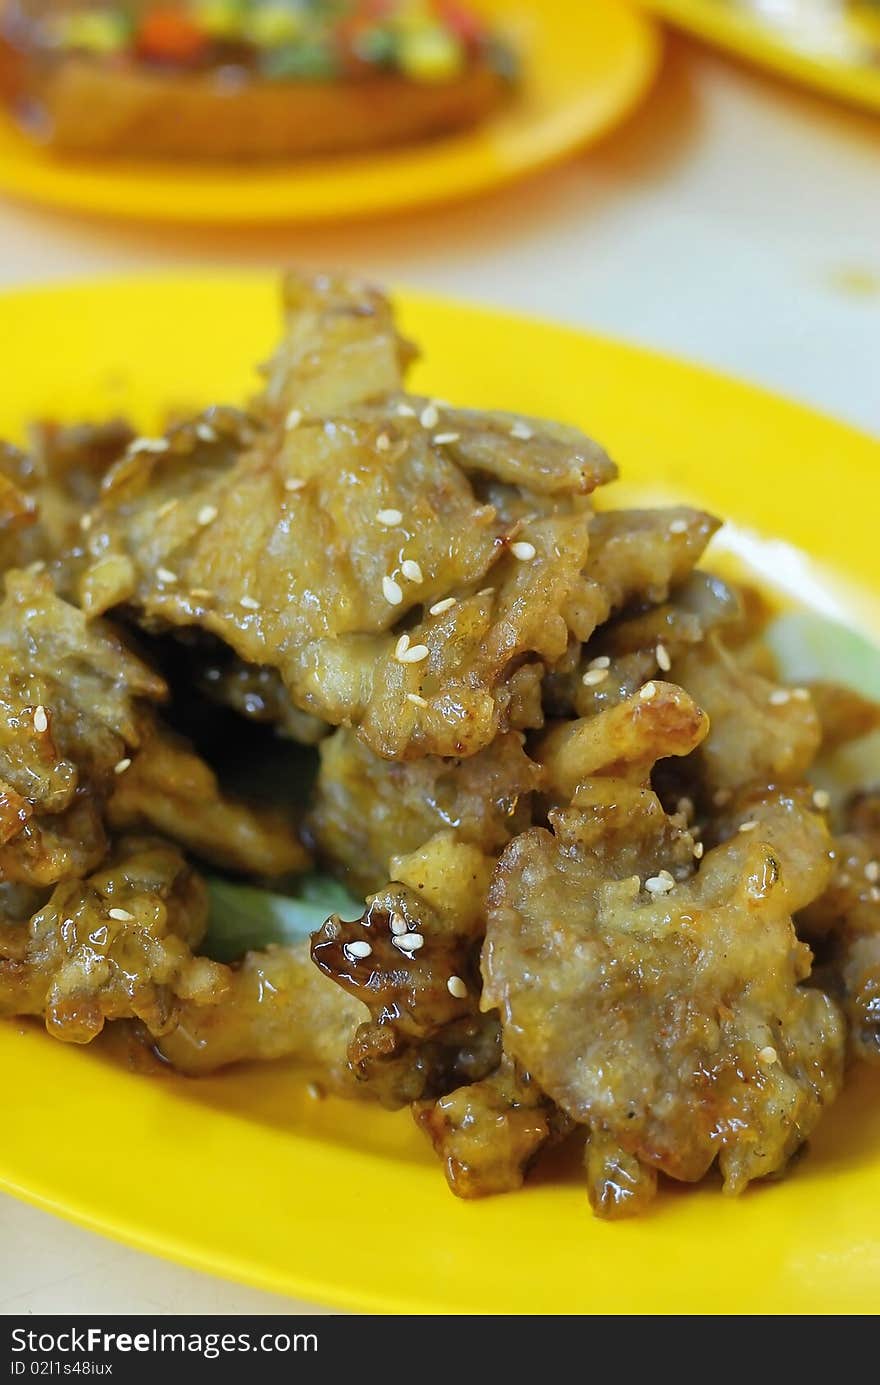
x: 247, y: 79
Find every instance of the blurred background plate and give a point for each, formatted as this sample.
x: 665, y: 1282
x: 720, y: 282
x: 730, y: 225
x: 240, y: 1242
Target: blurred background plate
x: 833, y: 45
x: 585, y: 65
x: 244, y: 1175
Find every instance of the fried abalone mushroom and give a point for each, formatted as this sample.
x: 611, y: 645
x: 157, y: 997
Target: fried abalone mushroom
x: 660, y: 1007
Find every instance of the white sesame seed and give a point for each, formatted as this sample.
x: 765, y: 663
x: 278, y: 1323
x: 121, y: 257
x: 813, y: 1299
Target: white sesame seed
x: 440, y: 606
x: 600, y: 661
x: 647, y: 692
x: 800, y: 694
x: 389, y: 517
x: 779, y: 697
x: 165, y: 509
x: 416, y: 700
x: 207, y: 514
x: 315, y: 1092
x: 872, y: 871
x: 429, y: 417
x: 441, y: 439
x: 200, y: 593
x: 409, y: 942
x: 249, y: 603
x: 205, y: 432
x: 659, y: 884
x: 294, y: 419
x: 411, y: 570
x: 456, y: 987
x: 406, y: 411
x: 486, y: 591
x: 401, y: 647
x: 666, y: 875
x: 148, y: 445
x: 392, y: 591
x: 874, y: 895
x: 357, y: 949
x: 294, y: 483
x: 34, y: 568
x: 822, y: 800
x: 523, y: 550
x: 121, y: 765
x: 414, y: 654
x: 747, y: 826
x: 86, y: 522
x: 521, y: 430
x: 383, y: 442
x: 698, y: 850
x: 594, y: 676
x: 165, y: 574
x: 663, y: 659
x: 678, y: 526
x: 41, y: 720
x: 397, y: 925
x: 122, y: 915
x: 768, y: 1055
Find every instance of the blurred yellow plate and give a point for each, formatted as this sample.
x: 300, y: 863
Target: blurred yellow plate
x: 584, y: 67
x: 830, y: 44
x: 245, y: 1175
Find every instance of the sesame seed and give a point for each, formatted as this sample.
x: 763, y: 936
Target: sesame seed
x: 747, y: 826
x: 207, y: 514
x: 779, y: 697
x: 148, y: 445
x: 721, y: 797
x: 315, y: 1092
x: 41, y: 721
x: 357, y: 950
x: 416, y: 700
x: 660, y: 884
x: 121, y: 765
x: 414, y: 654
x: 165, y: 574
x: 392, y: 591
x: 409, y: 942
x: 663, y: 658
x: 486, y: 591
x: 441, y: 439
x: 397, y: 925
x: 524, y: 551
x: 440, y: 606
x: 874, y: 895
x: 872, y: 871
x: 401, y: 647
x: 768, y: 1055
x: 205, y: 432
x: 389, y: 517
x: 249, y: 603
x: 383, y: 442
x: 411, y: 570
x: 600, y: 661
x: 294, y: 483
x: 521, y: 430
x: 429, y: 417
x: 200, y: 593
x: 822, y: 800
x: 122, y: 915
x: 699, y: 848
x: 165, y: 509
x: 647, y: 692
x: 294, y: 419
x: 406, y: 411
x: 456, y: 987
x: 678, y: 526
x: 800, y: 694
x: 86, y: 522
x: 594, y: 676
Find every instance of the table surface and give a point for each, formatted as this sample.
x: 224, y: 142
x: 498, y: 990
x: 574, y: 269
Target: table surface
x: 733, y: 220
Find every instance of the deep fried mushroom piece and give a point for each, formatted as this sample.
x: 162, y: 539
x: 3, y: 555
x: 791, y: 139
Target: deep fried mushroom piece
x: 366, y: 810
x: 667, y: 1012
x: 277, y: 1006
x: 489, y: 1134
x: 118, y: 945
x: 411, y: 959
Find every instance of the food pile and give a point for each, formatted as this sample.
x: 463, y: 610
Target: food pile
x: 595, y: 896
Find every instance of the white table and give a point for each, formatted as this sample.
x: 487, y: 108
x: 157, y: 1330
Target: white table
x: 734, y: 221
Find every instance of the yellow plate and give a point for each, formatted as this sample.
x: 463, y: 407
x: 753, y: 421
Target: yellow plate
x: 242, y: 1174
x: 819, y: 43
x: 584, y: 67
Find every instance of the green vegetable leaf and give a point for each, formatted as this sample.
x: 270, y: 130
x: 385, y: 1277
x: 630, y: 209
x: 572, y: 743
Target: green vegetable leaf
x: 809, y: 647
x: 245, y: 917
